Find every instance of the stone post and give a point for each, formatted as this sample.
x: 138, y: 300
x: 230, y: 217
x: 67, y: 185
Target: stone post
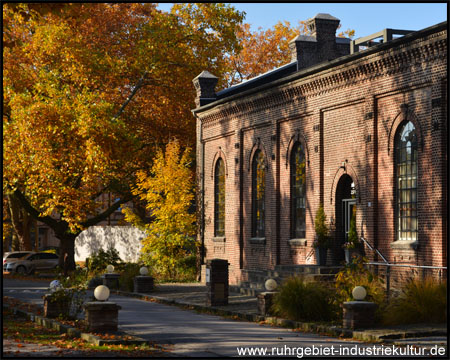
x: 217, y: 282
x: 143, y: 284
x: 102, y: 316
x: 359, y: 314
x: 111, y: 281
x: 265, y: 301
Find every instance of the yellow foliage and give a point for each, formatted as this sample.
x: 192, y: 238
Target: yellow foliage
x: 168, y: 195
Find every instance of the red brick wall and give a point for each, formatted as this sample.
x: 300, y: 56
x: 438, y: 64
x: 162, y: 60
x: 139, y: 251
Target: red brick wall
x: 357, y: 107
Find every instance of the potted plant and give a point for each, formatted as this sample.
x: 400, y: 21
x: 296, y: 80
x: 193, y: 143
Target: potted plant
x: 57, y: 303
x: 66, y: 296
x: 322, y: 238
x: 352, y: 245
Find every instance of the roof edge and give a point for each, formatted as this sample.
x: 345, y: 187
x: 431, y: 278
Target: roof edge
x: 327, y: 64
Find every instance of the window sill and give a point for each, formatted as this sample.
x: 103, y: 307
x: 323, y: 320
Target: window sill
x: 260, y: 241
x: 297, y: 242
x: 219, y: 239
x: 405, y: 244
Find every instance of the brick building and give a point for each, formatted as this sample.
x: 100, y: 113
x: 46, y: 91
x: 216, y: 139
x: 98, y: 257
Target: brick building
x: 356, y: 124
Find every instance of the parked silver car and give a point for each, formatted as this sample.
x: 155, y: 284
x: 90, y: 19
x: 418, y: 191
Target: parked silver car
x: 9, y: 257
x: 32, y: 262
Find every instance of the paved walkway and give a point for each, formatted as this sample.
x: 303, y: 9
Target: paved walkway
x: 188, y: 333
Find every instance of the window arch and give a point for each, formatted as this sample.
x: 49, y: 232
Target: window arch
x: 219, y: 198
x: 298, y: 192
x: 258, y: 194
x: 406, y: 156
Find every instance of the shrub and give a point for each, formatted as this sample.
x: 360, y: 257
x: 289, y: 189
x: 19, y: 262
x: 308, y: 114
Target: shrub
x: 355, y: 274
x: 302, y: 301
x: 185, y: 269
x: 321, y: 229
x: 72, y: 291
x: 99, y: 261
x: 126, y: 280
x: 420, y: 301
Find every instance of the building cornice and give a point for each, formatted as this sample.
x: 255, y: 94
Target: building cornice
x: 378, y: 61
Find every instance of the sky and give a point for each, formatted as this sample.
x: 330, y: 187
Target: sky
x: 364, y: 18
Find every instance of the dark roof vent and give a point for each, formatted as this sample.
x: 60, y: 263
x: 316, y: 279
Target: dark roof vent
x: 368, y: 41
x: 205, y: 84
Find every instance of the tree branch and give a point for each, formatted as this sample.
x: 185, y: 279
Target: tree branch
x: 107, y: 212
x: 135, y: 90
x: 48, y: 220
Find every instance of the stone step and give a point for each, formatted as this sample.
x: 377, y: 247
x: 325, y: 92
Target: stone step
x: 257, y: 278
x: 250, y: 292
x: 308, y: 269
x: 319, y: 277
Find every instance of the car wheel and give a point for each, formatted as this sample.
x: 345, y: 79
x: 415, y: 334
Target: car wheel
x: 21, y: 270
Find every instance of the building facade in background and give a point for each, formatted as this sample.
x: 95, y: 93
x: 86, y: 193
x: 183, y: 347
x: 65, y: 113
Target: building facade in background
x: 358, y: 126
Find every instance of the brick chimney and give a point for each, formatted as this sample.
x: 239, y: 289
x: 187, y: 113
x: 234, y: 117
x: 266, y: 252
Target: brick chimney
x: 321, y: 45
x: 205, y: 84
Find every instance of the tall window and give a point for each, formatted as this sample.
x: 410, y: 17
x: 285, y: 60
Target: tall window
x: 298, y: 192
x: 406, y: 182
x: 219, y: 198
x: 258, y: 190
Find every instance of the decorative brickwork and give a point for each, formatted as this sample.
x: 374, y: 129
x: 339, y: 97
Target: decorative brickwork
x: 345, y: 112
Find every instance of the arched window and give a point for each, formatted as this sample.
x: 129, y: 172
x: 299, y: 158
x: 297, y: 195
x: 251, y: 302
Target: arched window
x: 219, y: 198
x: 298, y: 192
x: 406, y: 182
x: 258, y: 194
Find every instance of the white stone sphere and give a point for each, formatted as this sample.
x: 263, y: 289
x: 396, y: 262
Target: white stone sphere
x: 270, y: 285
x: 55, y: 285
x: 359, y: 293
x: 110, y: 268
x: 101, y: 293
x: 143, y: 271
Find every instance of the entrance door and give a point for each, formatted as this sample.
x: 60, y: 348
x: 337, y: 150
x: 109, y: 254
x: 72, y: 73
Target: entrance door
x: 348, y: 207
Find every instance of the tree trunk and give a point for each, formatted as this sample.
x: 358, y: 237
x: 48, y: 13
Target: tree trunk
x: 67, y: 245
x: 21, y: 223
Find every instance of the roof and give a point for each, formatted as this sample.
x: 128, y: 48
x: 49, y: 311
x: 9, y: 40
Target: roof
x: 289, y: 72
x: 259, y: 80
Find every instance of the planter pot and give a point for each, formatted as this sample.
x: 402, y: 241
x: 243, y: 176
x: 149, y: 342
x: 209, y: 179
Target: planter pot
x: 321, y: 256
x: 53, y: 309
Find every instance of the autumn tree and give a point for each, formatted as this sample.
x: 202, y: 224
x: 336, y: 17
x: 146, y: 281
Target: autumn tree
x: 264, y: 50
x: 91, y: 91
x: 168, y: 192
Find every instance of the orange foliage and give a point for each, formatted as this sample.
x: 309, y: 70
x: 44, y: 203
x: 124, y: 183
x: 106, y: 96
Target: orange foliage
x: 91, y: 90
x: 264, y: 50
